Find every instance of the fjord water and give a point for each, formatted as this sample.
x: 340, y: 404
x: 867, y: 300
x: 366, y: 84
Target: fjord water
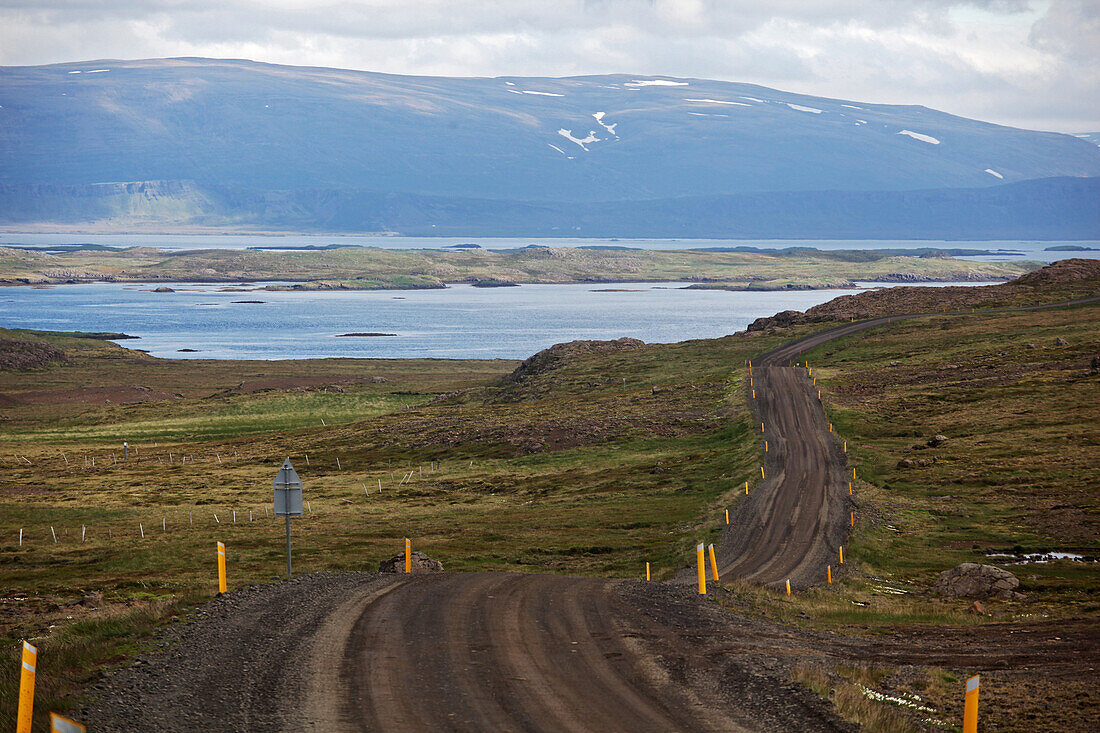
x: 459, y: 322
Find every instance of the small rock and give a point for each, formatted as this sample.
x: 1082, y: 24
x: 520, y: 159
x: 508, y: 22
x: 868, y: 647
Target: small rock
x: 936, y: 441
x: 1031, y: 346
x: 895, y: 363
x: 905, y: 463
x: 94, y: 600
x: 378, y: 380
x: 1061, y: 342
x: 976, y: 608
x: 421, y: 563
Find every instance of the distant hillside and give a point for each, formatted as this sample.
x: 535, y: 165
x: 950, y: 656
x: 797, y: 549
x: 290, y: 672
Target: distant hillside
x: 236, y: 143
x: 1056, y: 208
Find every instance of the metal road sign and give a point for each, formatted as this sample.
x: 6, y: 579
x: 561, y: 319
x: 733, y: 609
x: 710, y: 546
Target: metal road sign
x: 288, y: 492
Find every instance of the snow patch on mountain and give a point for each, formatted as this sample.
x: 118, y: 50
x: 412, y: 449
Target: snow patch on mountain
x: 584, y: 143
x: 543, y: 94
x: 992, y: 172
x: 920, y: 136
x: 716, y: 101
x: 610, y: 128
x: 655, y: 83
x: 800, y: 108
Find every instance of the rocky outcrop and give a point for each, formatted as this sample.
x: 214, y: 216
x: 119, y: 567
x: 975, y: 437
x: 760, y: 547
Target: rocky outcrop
x: 421, y: 563
x: 972, y: 580
x: 15, y: 354
x: 553, y: 357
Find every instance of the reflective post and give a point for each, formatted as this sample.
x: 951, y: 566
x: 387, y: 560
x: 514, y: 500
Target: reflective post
x: 702, y: 569
x: 221, y: 567
x: 26, y: 689
x: 970, y: 711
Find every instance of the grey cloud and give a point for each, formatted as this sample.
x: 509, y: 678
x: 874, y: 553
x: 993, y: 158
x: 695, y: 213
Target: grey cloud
x: 899, y: 51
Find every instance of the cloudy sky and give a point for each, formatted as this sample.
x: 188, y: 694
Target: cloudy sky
x: 1029, y: 63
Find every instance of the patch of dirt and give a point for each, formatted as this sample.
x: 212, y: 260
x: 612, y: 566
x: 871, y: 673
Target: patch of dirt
x: 274, y: 384
x: 129, y: 394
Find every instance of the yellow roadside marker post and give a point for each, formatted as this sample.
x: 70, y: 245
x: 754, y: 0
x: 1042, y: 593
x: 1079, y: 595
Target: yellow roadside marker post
x: 647, y: 571
x: 754, y: 394
x: 761, y: 427
x: 849, y: 488
x: 26, y: 689
x: 702, y: 570
x: 746, y: 488
x: 221, y: 568
x: 853, y: 473
x: 841, y: 555
x: 830, y: 427
x: 61, y: 724
x: 788, y: 586
x: 970, y: 711
x: 727, y: 516
x: 713, y: 562
x: 765, y: 446
x: 762, y: 476
x: 853, y: 519
x: 408, y: 555
x: 846, y: 446
x: 829, y: 573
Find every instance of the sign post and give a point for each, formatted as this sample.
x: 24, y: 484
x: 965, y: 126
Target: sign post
x: 288, y: 501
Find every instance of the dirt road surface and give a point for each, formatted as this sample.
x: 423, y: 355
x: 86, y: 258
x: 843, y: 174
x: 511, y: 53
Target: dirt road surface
x: 461, y: 652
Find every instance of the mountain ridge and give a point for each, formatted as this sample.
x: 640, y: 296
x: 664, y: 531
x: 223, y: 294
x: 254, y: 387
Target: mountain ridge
x: 275, y: 138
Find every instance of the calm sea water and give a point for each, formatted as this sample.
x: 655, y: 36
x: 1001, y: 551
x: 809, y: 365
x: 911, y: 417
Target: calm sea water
x: 459, y: 322
x: 1001, y: 250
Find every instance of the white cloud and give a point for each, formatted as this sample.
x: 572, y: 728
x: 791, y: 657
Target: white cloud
x: 1029, y: 63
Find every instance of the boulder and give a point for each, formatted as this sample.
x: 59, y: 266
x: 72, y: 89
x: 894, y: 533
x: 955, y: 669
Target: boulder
x: 1061, y: 342
x: 936, y: 441
x: 421, y: 563
x: 972, y: 580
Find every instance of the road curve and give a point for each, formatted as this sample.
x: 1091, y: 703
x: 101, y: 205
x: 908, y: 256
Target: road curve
x: 794, y: 522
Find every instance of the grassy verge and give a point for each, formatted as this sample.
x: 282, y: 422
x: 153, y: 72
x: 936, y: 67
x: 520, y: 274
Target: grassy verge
x: 1018, y: 469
